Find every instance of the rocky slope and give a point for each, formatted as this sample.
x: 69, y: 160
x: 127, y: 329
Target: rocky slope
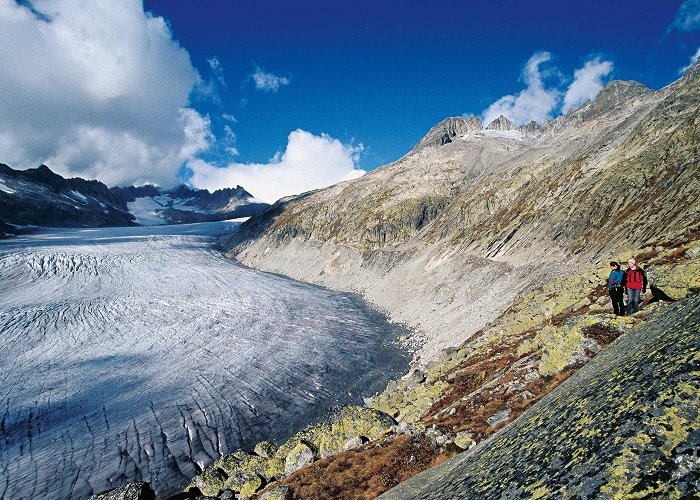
x: 492, y: 243
x: 470, y: 393
x: 447, y: 237
x: 624, y: 426
x: 40, y: 197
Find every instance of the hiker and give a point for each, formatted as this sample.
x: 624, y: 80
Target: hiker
x: 616, y: 289
x: 635, y: 280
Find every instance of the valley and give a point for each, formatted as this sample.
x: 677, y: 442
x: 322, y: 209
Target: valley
x: 143, y: 353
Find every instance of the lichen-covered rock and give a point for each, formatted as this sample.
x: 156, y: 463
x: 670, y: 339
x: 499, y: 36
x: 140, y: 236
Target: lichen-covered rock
x: 464, y: 439
x: 132, y: 491
x: 676, y: 281
x: 342, y: 424
x: 278, y: 493
x: 626, y: 425
x: 571, y: 344
x: 300, y: 456
x: 265, y: 449
x: 210, y: 481
x: 243, y: 482
x: 353, y: 443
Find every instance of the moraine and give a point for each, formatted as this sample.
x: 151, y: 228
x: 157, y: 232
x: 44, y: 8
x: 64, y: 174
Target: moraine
x: 143, y: 353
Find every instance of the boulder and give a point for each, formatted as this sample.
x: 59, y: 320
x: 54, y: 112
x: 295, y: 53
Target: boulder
x: 132, y: 491
x: 265, y: 449
x: 209, y: 482
x: 674, y: 282
x: 464, y: 439
x: 278, y: 493
x: 300, y: 456
x: 246, y: 483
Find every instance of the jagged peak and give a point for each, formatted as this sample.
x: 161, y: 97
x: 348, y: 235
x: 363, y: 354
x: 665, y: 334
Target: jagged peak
x: 447, y: 129
x: 613, y: 96
x: 622, y: 90
x: 502, y: 124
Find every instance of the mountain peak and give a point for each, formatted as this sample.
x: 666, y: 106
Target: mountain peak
x: 615, y: 94
x: 447, y: 129
x: 502, y: 124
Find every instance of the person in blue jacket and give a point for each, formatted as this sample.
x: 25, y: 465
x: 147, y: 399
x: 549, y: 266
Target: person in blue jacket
x: 616, y: 288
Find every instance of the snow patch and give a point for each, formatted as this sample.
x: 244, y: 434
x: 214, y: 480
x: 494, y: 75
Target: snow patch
x: 146, y: 211
x: 5, y: 189
x: 79, y: 195
x: 514, y: 135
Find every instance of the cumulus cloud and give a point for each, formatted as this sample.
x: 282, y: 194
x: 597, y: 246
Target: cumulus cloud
x: 693, y: 59
x: 309, y: 162
x: 588, y: 81
x: 268, y: 82
x: 96, y: 89
x: 688, y: 16
x: 538, y: 102
x: 535, y: 102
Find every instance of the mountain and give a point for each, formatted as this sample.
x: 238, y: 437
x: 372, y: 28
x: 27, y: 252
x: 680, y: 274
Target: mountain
x: 493, y: 245
x: 502, y: 124
x: 447, y: 237
x: 40, y: 197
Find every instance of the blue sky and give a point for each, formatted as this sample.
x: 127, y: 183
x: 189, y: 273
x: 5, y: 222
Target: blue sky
x: 382, y: 73
x: 281, y: 97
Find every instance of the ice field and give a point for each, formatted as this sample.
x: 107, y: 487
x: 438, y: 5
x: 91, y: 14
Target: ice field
x: 136, y: 353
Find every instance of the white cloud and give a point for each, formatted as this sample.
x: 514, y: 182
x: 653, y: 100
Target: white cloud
x: 535, y: 102
x: 687, y: 17
x: 96, y: 89
x: 218, y: 70
x: 693, y: 59
x: 538, y: 102
x: 309, y: 162
x: 588, y: 81
x: 268, y: 82
x: 229, y: 141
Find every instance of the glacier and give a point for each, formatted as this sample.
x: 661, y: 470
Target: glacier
x: 143, y: 353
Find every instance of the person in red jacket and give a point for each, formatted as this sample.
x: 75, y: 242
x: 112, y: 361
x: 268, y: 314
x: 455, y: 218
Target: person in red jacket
x: 635, y: 281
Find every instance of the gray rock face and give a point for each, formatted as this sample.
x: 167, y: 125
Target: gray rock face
x: 499, y: 417
x: 501, y: 124
x: 445, y: 131
x: 614, y: 96
x: 532, y: 128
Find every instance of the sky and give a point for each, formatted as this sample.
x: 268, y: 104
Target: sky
x: 282, y: 97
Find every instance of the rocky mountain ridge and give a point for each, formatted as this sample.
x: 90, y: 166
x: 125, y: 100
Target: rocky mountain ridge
x: 445, y: 238
x: 40, y: 197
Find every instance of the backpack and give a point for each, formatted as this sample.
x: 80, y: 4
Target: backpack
x: 635, y: 276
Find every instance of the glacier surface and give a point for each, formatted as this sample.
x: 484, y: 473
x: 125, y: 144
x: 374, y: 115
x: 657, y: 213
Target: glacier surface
x: 143, y: 353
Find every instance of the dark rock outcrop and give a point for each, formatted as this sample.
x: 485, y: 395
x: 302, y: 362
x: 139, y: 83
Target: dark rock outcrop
x: 40, y: 197
x: 131, y: 491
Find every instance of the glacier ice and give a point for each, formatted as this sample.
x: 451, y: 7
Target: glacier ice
x: 143, y: 353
